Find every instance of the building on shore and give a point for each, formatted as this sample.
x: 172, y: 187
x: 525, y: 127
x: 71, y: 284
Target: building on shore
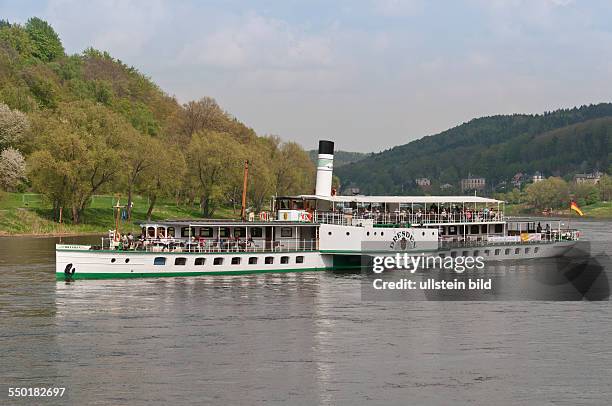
x: 537, y: 177
x: 422, y: 182
x: 472, y: 183
x: 592, y: 178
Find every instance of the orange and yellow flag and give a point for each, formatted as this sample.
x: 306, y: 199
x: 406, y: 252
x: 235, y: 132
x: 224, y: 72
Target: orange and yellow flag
x: 574, y: 206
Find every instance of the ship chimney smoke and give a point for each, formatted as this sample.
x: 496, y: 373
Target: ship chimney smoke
x: 325, y: 168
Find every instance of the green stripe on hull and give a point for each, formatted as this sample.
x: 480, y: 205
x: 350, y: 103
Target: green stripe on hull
x: 123, y: 275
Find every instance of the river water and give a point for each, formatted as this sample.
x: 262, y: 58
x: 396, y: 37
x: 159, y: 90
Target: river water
x: 297, y: 339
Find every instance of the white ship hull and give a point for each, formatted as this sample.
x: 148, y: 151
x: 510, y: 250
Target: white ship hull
x: 90, y: 264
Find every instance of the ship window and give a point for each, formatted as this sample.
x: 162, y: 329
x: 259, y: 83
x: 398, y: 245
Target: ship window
x: 286, y: 232
x: 180, y: 261
x: 368, y: 233
x: 252, y: 260
x: 224, y: 232
x: 284, y: 260
x: 517, y: 250
x: 454, y: 254
x: 256, y: 232
x: 151, y: 232
x: 347, y: 233
x: 218, y: 261
x: 200, y: 261
x: 474, y: 229
x: 487, y: 253
x: 143, y: 231
x: 299, y: 259
x: 185, y: 231
x: 527, y: 250
x: 499, y: 228
x: 507, y: 251
x: 236, y: 261
x: 113, y: 260
x: 239, y: 232
x: 442, y: 255
x: 127, y: 260
x: 536, y: 249
x: 159, y: 261
x: 206, y: 232
x: 423, y: 233
x: 161, y: 232
x: 269, y: 260
x: 497, y: 251
x: 170, y: 231
x: 465, y: 254
x: 476, y: 252
x: 483, y: 229
x: 382, y: 233
x: 329, y: 233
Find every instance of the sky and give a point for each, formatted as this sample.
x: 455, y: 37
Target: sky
x: 368, y: 75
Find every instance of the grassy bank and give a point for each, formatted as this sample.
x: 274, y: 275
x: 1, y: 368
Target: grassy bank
x: 601, y: 210
x: 29, y: 214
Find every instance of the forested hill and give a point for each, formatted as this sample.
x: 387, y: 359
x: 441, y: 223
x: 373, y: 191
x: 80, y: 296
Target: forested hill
x: 72, y: 126
x: 341, y: 158
x: 558, y: 143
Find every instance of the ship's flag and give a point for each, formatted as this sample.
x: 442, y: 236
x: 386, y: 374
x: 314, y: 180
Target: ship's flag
x: 575, y: 207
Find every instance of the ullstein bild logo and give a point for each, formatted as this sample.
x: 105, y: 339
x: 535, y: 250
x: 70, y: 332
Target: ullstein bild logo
x: 402, y: 241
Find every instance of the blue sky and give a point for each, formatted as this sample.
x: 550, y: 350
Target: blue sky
x: 366, y: 74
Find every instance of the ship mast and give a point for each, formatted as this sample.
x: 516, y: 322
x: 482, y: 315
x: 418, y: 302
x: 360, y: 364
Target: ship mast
x: 244, y: 190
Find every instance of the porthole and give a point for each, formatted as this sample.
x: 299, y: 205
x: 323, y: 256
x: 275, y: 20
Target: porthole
x: 127, y: 260
x: 382, y: 233
x: 347, y: 233
x: 517, y: 250
x: 113, y: 260
x: 329, y: 233
x: 423, y: 233
x: 536, y: 249
x: 368, y: 233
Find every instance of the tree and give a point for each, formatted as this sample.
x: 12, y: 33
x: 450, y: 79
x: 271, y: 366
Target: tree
x: 552, y: 192
x: 137, y: 159
x: 47, y: 44
x: 13, y: 126
x: 163, y: 177
x: 585, y: 193
x: 12, y: 169
x: 215, y: 167
x: 605, y: 188
x: 79, y: 154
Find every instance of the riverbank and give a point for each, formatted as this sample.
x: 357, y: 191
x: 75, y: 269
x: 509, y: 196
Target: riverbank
x: 600, y: 210
x: 29, y: 215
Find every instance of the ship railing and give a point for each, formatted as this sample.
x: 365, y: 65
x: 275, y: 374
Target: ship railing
x: 524, y: 239
x: 211, y: 246
x: 405, y: 218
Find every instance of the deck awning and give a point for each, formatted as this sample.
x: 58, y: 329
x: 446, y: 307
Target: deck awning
x: 401, y: 199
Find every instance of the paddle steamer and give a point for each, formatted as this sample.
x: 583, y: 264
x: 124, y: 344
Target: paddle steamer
x: 317, y: 232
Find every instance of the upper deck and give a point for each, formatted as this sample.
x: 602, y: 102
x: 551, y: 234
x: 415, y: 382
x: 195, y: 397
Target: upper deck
x: 391, y: 210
